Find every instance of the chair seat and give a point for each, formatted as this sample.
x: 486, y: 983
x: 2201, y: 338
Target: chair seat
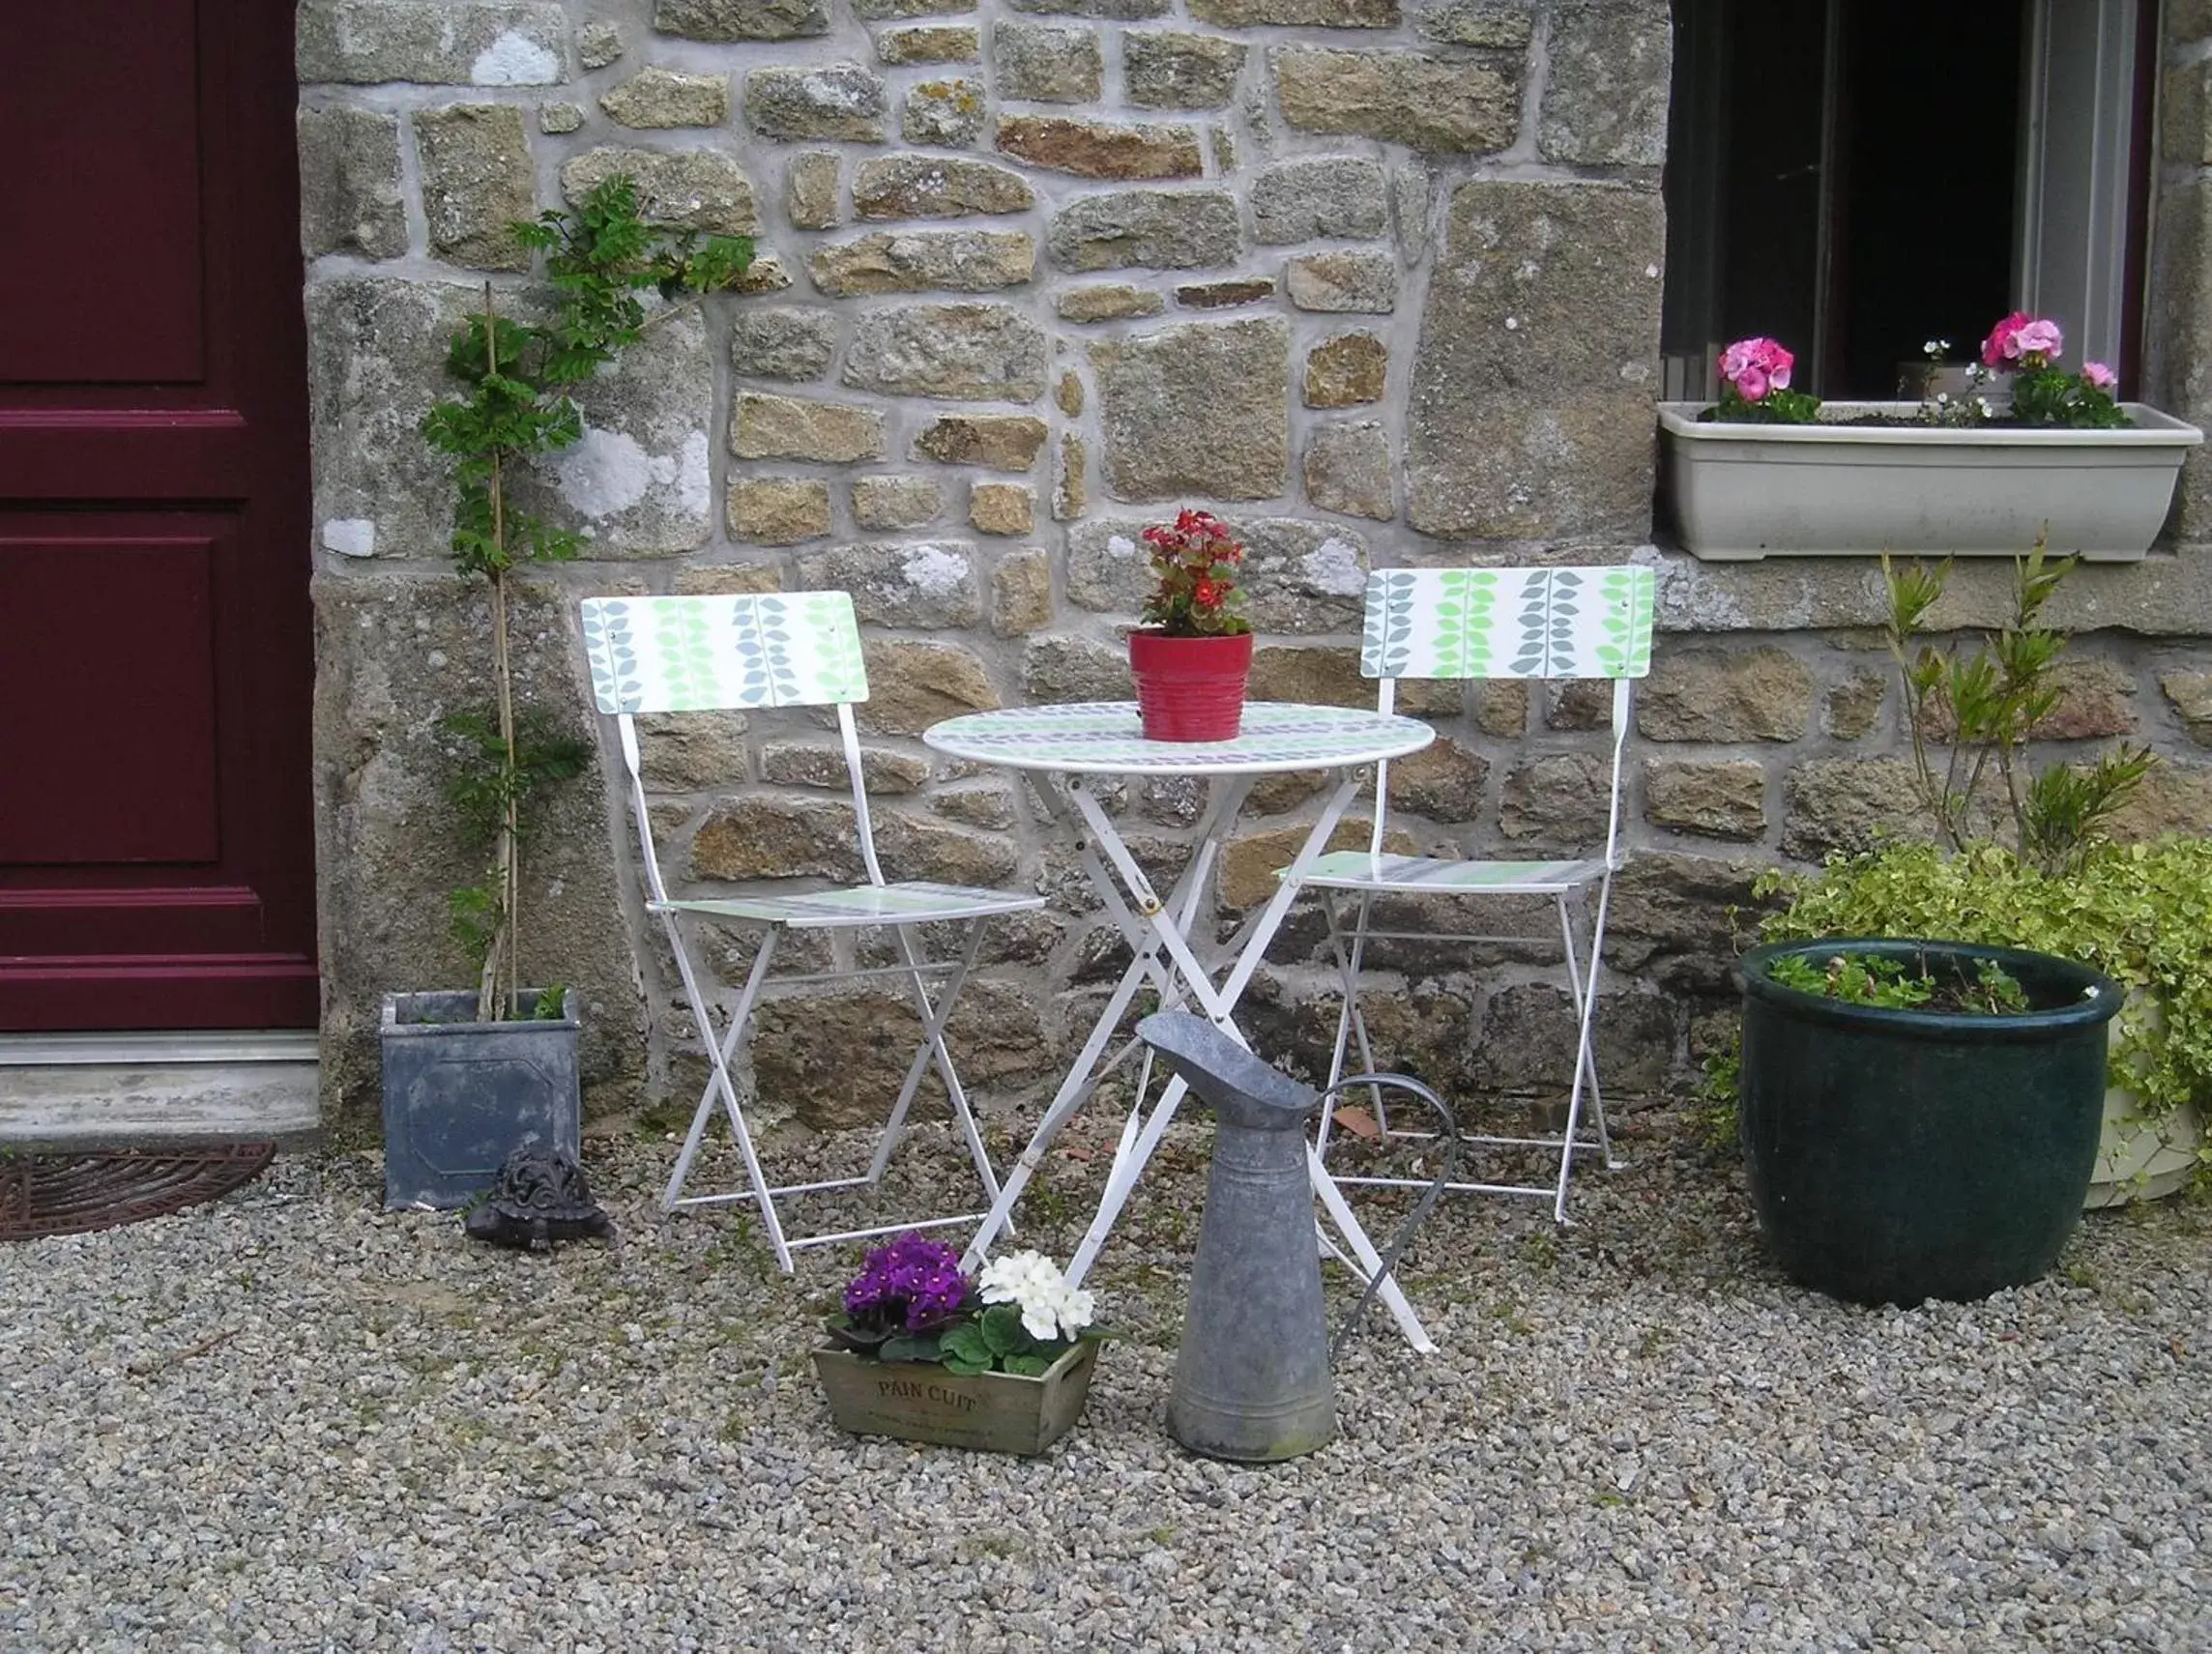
x: 1356, y: 870
x: 917, y: 901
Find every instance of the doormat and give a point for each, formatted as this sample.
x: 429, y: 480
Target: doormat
x: 74, y: 1194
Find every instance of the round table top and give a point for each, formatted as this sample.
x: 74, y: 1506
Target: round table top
x: 1105, y: 738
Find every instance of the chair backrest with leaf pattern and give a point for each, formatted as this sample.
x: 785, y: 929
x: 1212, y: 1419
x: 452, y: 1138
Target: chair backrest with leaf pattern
x: 1509, y: 623
x: 715, y: 653
x: 691, y: 654
x: 1575, y: 622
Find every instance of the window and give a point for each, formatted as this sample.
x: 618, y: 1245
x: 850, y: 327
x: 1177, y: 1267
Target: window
x: 1855, y: 177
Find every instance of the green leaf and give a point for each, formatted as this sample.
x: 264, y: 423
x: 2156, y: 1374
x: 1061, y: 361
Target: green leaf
x: 1031, y: 1366
x: 966, y: 1343
x: 1001, y: 1330
x: 474, y: 913
x: 914, y: 1347
x: 722, y: 262
x: 847, y: 1336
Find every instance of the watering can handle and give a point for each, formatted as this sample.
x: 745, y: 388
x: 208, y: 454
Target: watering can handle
x: 1449, y: 1137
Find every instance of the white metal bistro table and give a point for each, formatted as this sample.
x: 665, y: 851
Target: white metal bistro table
x: 1075, y: 743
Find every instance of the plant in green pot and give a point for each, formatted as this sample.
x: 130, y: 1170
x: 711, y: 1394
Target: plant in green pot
x: 2138, y: 913
x: 471, y: 1076
x: 921, y: 1351
x: 1919, y: 1103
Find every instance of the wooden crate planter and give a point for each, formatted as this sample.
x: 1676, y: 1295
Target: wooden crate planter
x: 993, y: 1412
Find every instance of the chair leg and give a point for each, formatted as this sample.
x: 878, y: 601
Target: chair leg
x: 894, y: 1128
x: 934, y: 1020
x: 719, y: 1083
x: 1584, y: 984
x: 1596, y: 1091
x: 1576, y: 996
x: 1345, y: 992
x: 1613, y: 1162
x: 1351, y: 1021
x: 1359, y: 1015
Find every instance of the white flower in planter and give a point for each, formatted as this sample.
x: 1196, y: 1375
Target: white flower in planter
x: 1050, y: 1307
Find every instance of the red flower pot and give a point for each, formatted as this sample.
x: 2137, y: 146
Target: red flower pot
x: 1190, y: 688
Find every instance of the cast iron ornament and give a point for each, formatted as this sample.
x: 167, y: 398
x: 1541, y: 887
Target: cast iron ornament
x: 540, y: 1198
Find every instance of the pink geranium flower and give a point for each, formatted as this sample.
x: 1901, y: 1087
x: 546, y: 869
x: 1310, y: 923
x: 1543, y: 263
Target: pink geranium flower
x: 1999, y: 349
x: 2040, y: 338
x: 2098, y: 377
x: 1754, y: 367
x: 2023, y: 340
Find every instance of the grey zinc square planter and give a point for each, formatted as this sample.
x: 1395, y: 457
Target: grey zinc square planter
x: 460, y: 1095
x: 1743, y: 492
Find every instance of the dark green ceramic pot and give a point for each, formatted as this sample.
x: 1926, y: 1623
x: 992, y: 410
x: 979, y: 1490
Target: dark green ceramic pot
x: 1897, y: 1155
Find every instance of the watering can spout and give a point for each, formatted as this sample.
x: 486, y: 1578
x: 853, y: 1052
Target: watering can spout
x: 1225, y: 1076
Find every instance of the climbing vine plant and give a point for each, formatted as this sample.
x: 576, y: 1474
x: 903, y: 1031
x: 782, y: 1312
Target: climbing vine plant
x: 601, y: 262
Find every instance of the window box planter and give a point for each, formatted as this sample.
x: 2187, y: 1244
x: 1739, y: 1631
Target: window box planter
x: 919, y: 1401
x: 1743, y: 492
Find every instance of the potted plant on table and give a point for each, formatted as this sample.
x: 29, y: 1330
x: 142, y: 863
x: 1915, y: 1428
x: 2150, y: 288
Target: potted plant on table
x: 2028, y: 449
x: 921, y: 1352
x: 1920, y: 1110
x: 1194, y: 652
x: 469, y: 1076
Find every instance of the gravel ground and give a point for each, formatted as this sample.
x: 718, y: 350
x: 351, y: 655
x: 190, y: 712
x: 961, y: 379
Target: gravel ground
x: 291, y: 1421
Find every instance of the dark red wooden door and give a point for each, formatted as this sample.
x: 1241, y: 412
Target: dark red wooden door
x: 156, y: 655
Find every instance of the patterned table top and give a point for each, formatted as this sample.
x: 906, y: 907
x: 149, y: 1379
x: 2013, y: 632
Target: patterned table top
x: 1104, y: 738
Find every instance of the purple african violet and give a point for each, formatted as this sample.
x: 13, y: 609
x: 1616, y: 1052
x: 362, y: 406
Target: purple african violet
x: 914, y: 1282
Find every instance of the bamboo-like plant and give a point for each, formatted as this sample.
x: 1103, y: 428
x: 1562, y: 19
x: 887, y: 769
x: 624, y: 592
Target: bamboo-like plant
x: 516, y: 405
x: 1987, y: 704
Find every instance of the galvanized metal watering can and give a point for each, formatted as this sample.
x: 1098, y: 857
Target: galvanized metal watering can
x: 1252, y: 1378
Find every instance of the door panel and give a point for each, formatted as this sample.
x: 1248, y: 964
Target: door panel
x: 126, y: 769
x: 155, y: 671
x: 102, y: 122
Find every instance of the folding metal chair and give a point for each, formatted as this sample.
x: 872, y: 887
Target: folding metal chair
x: 685, y: 655
x: 1476, y: 624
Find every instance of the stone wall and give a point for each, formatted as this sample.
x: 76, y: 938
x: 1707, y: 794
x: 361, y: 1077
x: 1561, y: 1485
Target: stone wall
x: 1377, y: 279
